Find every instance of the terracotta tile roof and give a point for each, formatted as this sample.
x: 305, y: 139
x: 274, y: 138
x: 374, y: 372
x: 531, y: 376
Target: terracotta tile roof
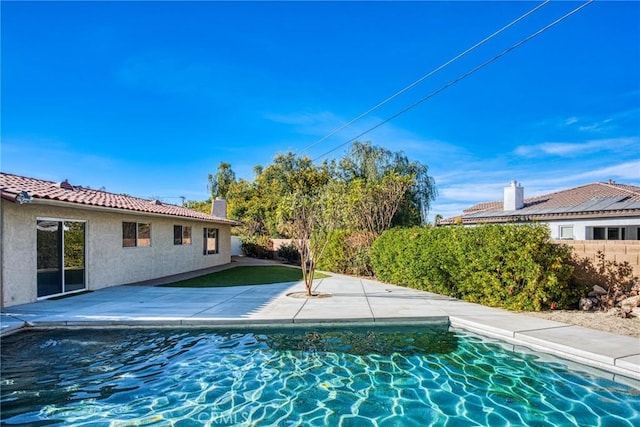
x: 13, y: 185
x: 599, y: 198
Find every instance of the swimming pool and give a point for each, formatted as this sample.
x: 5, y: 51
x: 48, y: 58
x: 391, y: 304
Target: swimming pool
x: 356, y: 376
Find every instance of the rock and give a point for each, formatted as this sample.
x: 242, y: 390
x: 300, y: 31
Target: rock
x: 630, y: 303
x: 599, y: 290
x: 585, y: 304
x: 628, y: 307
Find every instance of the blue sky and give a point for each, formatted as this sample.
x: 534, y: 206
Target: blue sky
x: 147, y: 98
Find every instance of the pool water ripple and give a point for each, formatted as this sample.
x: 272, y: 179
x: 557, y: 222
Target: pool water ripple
x: 355, y: 377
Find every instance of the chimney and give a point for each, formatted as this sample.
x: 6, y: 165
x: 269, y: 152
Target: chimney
x: 219, y: 207
x: 513, y: 197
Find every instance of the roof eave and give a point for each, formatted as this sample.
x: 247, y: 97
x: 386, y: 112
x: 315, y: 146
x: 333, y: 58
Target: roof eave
x: 8, y: 195
x: 547, y: 217
x: 121, y: 211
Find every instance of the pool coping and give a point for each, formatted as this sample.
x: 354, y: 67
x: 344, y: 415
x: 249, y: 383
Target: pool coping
x: 355, y: 301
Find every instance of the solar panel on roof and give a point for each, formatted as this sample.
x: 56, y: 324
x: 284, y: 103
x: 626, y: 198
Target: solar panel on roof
x: 598, y: 204
x: 628, y: 204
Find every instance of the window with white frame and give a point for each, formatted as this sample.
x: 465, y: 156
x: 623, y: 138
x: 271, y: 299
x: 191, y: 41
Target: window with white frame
x: 210, y: 241
x: 136, y: 234
x: 181, y: 235
x: 566, y: 232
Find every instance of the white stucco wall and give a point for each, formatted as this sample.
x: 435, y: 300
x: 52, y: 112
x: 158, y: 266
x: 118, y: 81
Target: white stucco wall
x: 107, y: 263
x: 236, y: 246
x: 580, y: 227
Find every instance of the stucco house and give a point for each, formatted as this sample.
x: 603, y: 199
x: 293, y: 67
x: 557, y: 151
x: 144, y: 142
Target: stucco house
x: 59, y: 238
x: 598, y: 211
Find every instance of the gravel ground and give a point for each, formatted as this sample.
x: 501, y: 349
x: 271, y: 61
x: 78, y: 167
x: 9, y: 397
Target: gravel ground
x: 594, y: 320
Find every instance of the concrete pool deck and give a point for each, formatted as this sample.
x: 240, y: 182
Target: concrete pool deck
x: 353, y: 300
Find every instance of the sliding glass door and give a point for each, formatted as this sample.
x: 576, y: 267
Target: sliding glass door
x: 61, y: 256
x: 49, y: 258
x: 73, y: 255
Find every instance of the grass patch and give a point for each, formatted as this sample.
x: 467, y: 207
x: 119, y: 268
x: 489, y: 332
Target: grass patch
x: 246, y: 275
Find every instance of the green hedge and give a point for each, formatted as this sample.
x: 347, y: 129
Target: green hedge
x: 347, y: 252
x: 512, y: 266
x: 257, y: 247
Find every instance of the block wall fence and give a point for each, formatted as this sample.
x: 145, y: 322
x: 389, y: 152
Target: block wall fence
x: 614, y: 250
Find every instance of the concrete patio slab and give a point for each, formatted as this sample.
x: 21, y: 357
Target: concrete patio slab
x: 585, y: 343
x: 354, y: 300
x: 500, y: 324
x: 631, y: 363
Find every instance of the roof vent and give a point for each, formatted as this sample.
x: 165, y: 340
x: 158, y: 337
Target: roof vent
x: 23, y: 197
x: 65, y: 185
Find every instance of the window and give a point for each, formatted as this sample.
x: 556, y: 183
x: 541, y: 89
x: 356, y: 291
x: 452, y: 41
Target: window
x: 613, y: 234
x: 136, y: 234
x: 598, y: 233
x: 210, y: 241
x: 128, y: 234
x: 566, y: 232
x: 181, y: 235
x: 609, y: 233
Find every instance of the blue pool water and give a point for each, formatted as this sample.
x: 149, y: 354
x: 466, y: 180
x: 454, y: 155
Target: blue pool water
x: 415, y: 376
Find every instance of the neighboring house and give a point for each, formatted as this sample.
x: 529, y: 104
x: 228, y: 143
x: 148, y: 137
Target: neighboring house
x: 599, y: 211
x: 57, y: 238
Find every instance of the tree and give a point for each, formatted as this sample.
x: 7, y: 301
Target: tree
x: 309, y: 218
x: 203, y: 206
x: 286, y: 175
x: 372, y: 163
x: 375, y: 203
x: 244, y: 204
x: 220, y: 183
x: 371, y: 189
x: 290, y: 173
x: 306, y: 211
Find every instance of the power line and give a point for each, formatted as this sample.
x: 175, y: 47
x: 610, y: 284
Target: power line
x: 461, y: 77
x: 426, y: 76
